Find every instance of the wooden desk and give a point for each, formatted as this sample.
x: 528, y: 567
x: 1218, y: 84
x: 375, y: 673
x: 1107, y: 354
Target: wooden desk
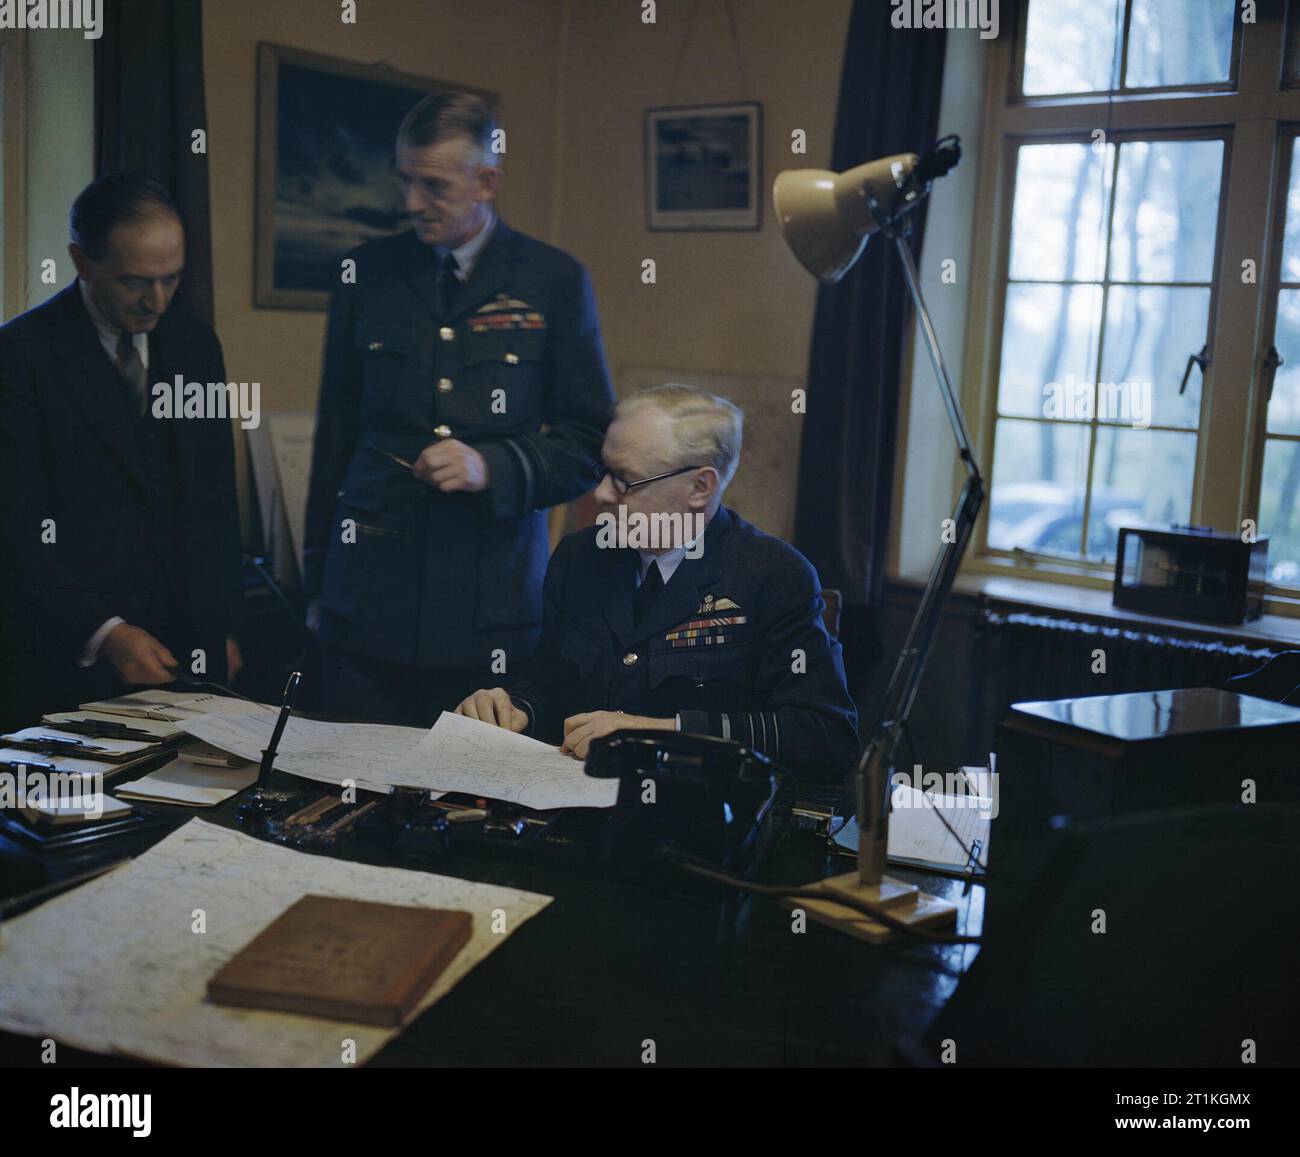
x: 712, y: 977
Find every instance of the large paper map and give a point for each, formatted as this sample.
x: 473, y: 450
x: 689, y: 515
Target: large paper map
x: 116, y: 967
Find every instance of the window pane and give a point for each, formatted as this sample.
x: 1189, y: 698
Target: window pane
x: 1279, y: 510
x: 1150, y: 330
x: 1050, y: 335
x: 1166, y: 210
x: 1284, y: 406
x: 1291, y: 237
x: 1179, y: 42
x: 1071, y: 46
x: 1139, y: 478
x: 1059, y: 219
x: 1039, y: 471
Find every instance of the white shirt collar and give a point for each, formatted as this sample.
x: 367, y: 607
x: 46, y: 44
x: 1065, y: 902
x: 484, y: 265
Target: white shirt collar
x: 467, y: 255
x: 669, y: 560
x: 109, y: 334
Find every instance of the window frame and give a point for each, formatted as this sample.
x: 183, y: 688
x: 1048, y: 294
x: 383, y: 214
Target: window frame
x: 1288, y: 134
x: 1253, y: 122
x: 1015, y: 95
x: 13, y: 174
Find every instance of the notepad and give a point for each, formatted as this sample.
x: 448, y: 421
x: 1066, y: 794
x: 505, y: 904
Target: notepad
x: 350, y: 960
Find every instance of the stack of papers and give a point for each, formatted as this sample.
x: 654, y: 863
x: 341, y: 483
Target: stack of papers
x: 13, y: 759
x: 171, y: 706
x: 160, y: 729
x: 73, y: 743
x: 186, y: 781
x: 107, y: 740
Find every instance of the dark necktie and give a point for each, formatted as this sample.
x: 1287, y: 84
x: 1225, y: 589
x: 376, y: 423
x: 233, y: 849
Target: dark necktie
x: 131, y: 367
x: 647, y: 592
x: 447, y: 282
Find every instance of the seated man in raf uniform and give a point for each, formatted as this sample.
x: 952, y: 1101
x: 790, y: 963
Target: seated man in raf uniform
x: 717, y: 631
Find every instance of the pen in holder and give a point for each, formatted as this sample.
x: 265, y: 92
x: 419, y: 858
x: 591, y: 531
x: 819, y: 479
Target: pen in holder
x: 263, y: 800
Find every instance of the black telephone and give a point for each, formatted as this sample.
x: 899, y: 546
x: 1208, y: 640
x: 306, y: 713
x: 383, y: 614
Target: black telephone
x: 698, y: 794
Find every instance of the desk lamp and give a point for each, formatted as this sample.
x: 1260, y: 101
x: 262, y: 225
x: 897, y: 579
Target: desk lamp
x: 827, y: 219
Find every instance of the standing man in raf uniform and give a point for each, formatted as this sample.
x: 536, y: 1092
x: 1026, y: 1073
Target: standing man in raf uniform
x: 720, y: 635
x: 464, y: 392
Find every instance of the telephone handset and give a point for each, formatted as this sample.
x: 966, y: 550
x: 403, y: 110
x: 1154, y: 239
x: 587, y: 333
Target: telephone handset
x: 698, y: 793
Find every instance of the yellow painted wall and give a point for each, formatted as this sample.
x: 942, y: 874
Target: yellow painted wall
x: 574, y: 78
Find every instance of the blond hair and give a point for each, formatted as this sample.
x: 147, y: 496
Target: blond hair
x: 707, y: 429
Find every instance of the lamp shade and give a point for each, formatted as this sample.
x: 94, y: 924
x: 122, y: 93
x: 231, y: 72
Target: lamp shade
x: 827, y: 217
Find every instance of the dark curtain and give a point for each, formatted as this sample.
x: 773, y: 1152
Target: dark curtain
x: 148, y: 102
x: 888, y: 103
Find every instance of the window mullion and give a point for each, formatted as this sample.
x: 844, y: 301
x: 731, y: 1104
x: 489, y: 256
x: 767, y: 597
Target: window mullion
x: 1227, y: 454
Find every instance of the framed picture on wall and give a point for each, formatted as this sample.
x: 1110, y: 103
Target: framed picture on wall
x: 704, y: 167
x: 325, y: 181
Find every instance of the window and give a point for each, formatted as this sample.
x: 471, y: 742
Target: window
x: 1109, y: 46
x: 1279, y: 504
x: 1112, y: 253
x: 1123, y: 365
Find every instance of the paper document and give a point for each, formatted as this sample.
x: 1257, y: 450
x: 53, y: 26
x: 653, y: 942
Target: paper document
x: 917, y: 835
x: 68, y: 743
x: 213, y: 756
x: 118, y: 965
x: 185, y: 782
x: 368, y: 754
x: 466, y: 755
x: 12, y: 758
x: 161, y: 729
x: 172, y: 706
x: 67, y: 812
x: 457, y: 754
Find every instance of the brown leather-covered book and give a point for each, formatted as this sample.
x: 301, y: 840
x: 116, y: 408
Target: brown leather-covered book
x: 343, y: 959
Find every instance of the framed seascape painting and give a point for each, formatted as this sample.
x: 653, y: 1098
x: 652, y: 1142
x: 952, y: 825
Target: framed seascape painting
x: 704, y: 167
x: 325, y: 181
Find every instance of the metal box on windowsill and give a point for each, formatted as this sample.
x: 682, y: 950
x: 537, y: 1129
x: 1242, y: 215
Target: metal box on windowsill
x: 1191, y: 573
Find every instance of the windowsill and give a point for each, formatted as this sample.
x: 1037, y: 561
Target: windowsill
x: 1092, y: 603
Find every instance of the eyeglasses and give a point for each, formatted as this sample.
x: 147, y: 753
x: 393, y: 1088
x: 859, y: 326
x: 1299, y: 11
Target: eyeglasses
x: 623, y: 486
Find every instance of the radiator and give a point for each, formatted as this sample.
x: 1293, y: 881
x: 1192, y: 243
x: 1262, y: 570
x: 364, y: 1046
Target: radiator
x: 1021, y: 656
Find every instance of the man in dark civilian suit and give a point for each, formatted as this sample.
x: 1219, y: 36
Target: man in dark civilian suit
x: 715, y: 628
x: 464, y: 391
x: 120, y: 527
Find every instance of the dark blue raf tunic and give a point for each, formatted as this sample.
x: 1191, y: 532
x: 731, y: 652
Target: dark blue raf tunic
x: 514, y: 368
x: 734, y: 644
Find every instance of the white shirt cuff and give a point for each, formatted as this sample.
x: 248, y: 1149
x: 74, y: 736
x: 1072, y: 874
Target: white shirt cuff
x: 677, y: 722
x: 90, y: 656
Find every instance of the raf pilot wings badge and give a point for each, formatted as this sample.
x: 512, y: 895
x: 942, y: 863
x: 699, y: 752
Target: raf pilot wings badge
x: 713, y: 630
x: 506, y: 313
